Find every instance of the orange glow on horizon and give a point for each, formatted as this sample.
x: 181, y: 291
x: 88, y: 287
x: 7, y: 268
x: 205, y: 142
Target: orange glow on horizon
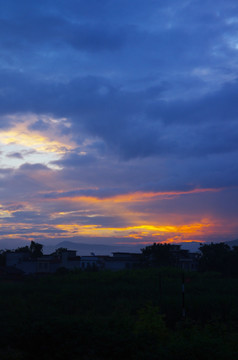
x: 132, y: 197
x: 159, y: 242
x: 141, y: 234
x: 138, y: 232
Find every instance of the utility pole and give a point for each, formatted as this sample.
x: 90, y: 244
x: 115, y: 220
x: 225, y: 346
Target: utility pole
x: 183, y: 297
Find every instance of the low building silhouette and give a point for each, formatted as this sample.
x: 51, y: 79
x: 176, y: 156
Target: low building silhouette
x: 68, y: 259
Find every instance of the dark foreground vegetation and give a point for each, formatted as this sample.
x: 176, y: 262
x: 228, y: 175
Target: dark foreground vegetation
x: 133, y: 314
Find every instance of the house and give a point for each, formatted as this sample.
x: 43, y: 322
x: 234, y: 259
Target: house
x: 171, y: 255
x: 123, y: 260
x: 21, y: 261
x: 93, y: 262
x: 188, y: 261
x: 47, y: 264
x: 68, y: 259
x: 44, y: 264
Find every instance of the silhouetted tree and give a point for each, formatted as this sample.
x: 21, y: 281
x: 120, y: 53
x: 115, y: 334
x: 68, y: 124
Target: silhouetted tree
x: 158, y: 254
x: 234, y: 261
x: 3, y: 257
x: 36, y: 249
x: 215, y: 257
x: 23, y: 249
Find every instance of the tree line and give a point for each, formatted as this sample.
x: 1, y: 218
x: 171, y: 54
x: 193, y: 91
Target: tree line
x: 218, y: 257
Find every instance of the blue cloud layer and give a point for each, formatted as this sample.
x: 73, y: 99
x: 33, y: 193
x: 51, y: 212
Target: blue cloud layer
x: 148, y: 88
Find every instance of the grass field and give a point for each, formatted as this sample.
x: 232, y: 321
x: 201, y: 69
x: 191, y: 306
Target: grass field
x: 134, y: 314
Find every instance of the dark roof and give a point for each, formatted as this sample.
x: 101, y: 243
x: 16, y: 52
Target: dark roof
x: 125, y: 254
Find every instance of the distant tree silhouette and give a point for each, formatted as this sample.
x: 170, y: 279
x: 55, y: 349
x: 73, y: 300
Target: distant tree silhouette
x: 34, y: 250
x: 158, y: 254
x: 23, y: 249
x: 3, y: 257
x: 215, y: 257
x: 234, y: 261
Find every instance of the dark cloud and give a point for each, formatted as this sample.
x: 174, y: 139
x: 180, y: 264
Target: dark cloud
x: 97, y: 38
x: 27, y: 217
x: 74, y: 159
x: 125, y: 120
x: 34, y: 31
x: 13, y: 207
x: 211, y: 108
x: 149, y: 91
x: 29, y: 230
x: 39, y: 125
x: 21, y: 185
x: 16, y: 155
x: 32, y: 167
x: 101, y: 193
x: 104, y: 221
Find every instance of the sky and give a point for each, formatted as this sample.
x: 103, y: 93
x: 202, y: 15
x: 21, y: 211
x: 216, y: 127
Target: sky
x: 118, y: 121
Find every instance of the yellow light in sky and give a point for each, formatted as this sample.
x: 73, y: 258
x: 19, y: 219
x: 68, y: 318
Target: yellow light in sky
x: 33, y: 146
x: 22, y: 136
x: 141, y: 230
x: 5, y: 213
x: 142, y: 234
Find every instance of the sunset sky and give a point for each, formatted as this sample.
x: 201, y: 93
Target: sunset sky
x: 118, y: 121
